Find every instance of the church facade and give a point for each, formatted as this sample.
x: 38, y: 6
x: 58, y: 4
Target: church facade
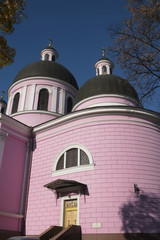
x: 71, y: 156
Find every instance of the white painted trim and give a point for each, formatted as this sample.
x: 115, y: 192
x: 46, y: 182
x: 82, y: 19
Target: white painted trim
x: 36, y: 112
x: 81, y: 168
x: 70, y: 197
x: 76, y: 168
x: 18, y: 91
x: 65, y: 84
x: 14, y: 124
x: 101, y: 111
x: 103, y: 104
x: 39, y: 87
x: 136, y: 103
x: 62, y: 100
x: 16, y: 135
x: 91, y: 122
x: 23, y: 97
x: 51, y: 52
x: 31, y: 97
x: 11, y: 104
x: 8, y: 106
x: 54, y: 99
x: 74, y: 146
x: 13, y: 215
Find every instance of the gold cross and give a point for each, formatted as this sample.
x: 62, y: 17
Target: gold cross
x: 3, y: 92
x: 103, y: 51
x: 50, y: 44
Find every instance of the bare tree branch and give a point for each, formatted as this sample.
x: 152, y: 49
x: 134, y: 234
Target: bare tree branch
x: 136, y: 45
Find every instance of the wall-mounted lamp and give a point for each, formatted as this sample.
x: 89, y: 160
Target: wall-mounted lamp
x: 136, y: 189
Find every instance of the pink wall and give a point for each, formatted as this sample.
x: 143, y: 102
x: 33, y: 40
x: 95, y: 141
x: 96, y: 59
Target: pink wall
x: 125, y: 152
x: 11, y: 178
x: 31, y: 118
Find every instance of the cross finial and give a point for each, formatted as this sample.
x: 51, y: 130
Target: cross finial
x: 3, y: 92
x: 50, y: 43
x: 103, y: 51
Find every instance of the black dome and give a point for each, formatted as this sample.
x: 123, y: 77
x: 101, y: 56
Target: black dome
x: 106, y: 84
x: 46, y: 69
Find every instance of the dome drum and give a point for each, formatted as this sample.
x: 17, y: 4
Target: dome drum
x: 42, y: 95
x: 49, y: 54
x: 104, y: 67
x: 107, y: 100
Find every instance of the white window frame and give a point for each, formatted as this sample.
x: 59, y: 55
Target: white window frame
x: 39, y: 87
x: 78, y: 168
x: 63, y: 199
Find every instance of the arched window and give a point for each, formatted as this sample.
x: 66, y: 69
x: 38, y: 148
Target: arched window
x: 104, y: 70
x: 15, y: 103
x: 43, y: 99
x: 2, y: 110
x: 69, y: 104
x: 53, y: 58
x: 74, y: 158
x: 97, y: 71
x: 110, y: 70
x: 46, y: 57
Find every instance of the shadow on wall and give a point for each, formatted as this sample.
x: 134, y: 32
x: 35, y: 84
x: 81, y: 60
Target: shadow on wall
x: 141, y: 216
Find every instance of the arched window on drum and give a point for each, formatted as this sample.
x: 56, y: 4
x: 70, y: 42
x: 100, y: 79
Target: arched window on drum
x: 15, y: 103
x: 69, y: 104
x: 43, y: 99
x: 104, y: 70
x: 46, y: 57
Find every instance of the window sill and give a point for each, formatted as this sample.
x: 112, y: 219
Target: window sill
x: 73, y: 170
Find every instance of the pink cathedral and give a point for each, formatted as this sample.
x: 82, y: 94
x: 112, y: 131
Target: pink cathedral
x: 87, y: 157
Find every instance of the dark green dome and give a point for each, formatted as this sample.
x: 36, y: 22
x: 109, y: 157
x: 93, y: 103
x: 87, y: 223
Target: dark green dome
x: 106, y: 84
x: 46, y: 69
x: 49, y: 47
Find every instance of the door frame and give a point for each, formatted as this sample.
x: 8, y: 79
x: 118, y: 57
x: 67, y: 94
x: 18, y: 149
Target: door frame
x: 63, y: 199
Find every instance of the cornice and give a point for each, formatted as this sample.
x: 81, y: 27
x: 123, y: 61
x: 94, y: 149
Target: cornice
x: 43, y: 78
x: 36, y: 112
x: 11, y: 125
x: 142, y: 115
x: 106, y: 96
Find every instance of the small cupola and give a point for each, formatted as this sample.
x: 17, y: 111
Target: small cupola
x: 49, y: 53
x: 104, y: 66
x: 3, y: 104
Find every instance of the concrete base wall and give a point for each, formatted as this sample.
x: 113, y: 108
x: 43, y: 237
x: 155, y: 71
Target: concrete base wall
x: 5, y: 234
x: 131, y: 236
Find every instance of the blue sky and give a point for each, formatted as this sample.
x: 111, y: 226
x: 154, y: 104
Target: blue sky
x: 78, y: 29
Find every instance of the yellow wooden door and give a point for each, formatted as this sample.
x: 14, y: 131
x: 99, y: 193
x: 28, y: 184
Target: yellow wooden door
x: 70, y: 212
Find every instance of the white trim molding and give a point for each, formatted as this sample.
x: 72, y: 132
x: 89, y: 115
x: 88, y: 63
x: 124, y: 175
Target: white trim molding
x: 153, y: 118
x: 133, y: 101
x: 13, y: 215
x: 39, y: 87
